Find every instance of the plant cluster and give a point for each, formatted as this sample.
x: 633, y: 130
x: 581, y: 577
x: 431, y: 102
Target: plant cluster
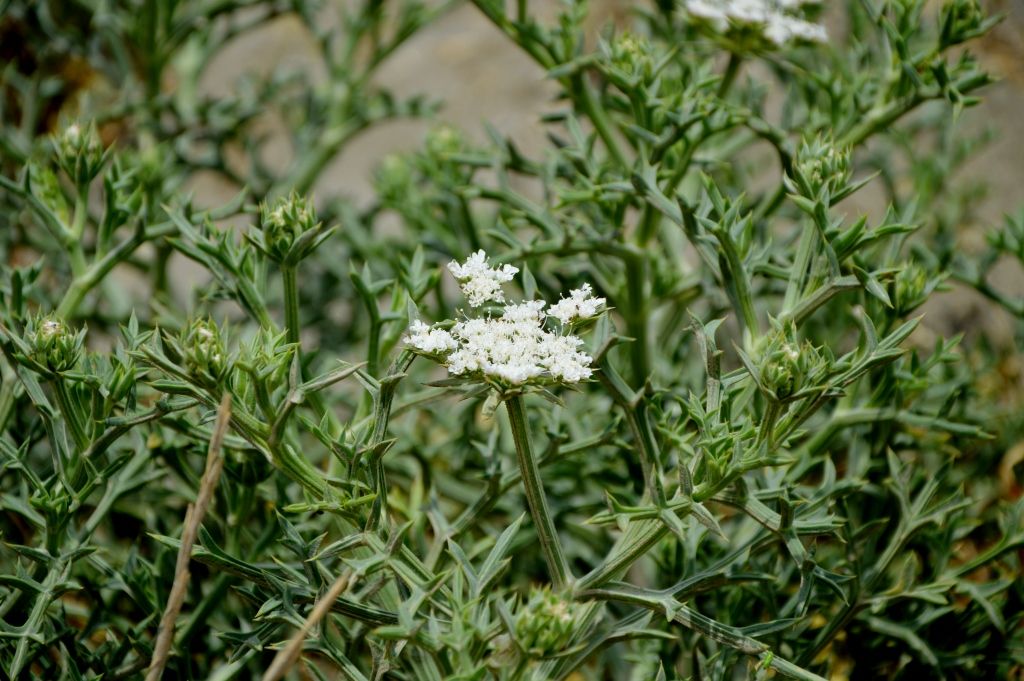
x: 690, y: 426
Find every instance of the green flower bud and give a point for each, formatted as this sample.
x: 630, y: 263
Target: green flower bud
x: 283, y: 224
x: 961, y: 20
x: 46, y: 188
x: 53, y: 345
x: 787, y: 365
x: 80, y: 152
x: 444, y: 141
x: 205, y: 352
x: 545, y: 624
x: 822, y: 166
x: 633, y: 58
x: 911, y: 288
x: 781, y: 372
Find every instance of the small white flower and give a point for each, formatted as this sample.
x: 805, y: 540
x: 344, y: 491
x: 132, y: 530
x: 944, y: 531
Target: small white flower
x: 581, y: 304
x: 430, y: 340
x: 514, y: 348
x: 709, y: 11
x: 480, y: 282
x: 51, y: 327
x: 780, y: 21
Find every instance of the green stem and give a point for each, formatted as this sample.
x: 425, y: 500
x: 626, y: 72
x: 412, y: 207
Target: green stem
x: 660, y: 601
x: 80, y: 215
x: 639, y: 539
x: 382, y: 416
x: 771, y: 415
x: 805, y: 249
x: 636, y: 318
x: 731, y: 69
x: 74, y: 234
x: 33, y: 625
x: 737, y: 284
x: 584, y: 96
x: 291, y: 302
x: 88, y: 279
x: 65, y: 403
x: 535, y: 498
x: 309, y: 168
x: 296, y: 467
x: 639, y: 422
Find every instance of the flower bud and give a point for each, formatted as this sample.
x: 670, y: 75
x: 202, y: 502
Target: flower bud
x: 53, y: 345
x: 911, y: 288
x: 633, y: 57
x: 283, y: 223
x: 781, y: 372
x: 961, y: 20
x: 545, y: 624
x: 786, y: 365
x: 205, y: 352
x: 444, y: 141
x: 80, y: 152
x: 46, y: 187
x: 822, y: 167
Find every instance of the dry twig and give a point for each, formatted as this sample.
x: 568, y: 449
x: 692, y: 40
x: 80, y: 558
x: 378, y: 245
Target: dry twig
x: 193, y: 518
x: 286, y: 657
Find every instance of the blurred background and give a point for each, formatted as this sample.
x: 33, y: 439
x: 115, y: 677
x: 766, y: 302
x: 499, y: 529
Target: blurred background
x: 482, y: 78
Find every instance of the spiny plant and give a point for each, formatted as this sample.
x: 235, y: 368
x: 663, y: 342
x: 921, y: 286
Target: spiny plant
x: 684, y: 422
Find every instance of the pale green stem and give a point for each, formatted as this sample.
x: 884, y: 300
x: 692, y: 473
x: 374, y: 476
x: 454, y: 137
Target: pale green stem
x: 291, y: 302
x: 71, y: 418
x: 535, y: 498
x: 731, y: 69
x: 74, y: 240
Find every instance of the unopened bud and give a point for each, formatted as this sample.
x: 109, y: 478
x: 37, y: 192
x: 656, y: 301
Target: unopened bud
x: 53, y: 344
x: 284, y: 222
x: 205, y: 352
x: 80, y: 152
x: 546, y: 623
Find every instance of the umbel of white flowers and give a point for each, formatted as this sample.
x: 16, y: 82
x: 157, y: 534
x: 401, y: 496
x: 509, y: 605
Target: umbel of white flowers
x: 778, y: 20
x: 516, y: 347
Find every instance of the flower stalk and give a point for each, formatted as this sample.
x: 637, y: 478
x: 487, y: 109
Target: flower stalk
x: 535, y: 497
x: 289, y: 277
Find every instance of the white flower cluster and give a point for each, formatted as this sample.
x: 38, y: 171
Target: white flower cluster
x: 432, y: 341
x: 581, y: 304
x: 515, y: 347
x: 480, y: 282
x: 778, y: 20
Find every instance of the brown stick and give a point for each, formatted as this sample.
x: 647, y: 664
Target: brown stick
x: 286, y: 657
x: 193, y: 518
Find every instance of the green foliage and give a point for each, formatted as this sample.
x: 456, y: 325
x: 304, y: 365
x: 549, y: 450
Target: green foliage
x: 774, y: 469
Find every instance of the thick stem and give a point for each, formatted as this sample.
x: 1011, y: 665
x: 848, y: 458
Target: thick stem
x: 74, y: 234
x: 88, y: 279
x: 535, y: 499
x: 731, y: 69
x: 291, y: 302
x: 636, y: 318
x: 587, y: 100
x: 71, y: 417
x: 625, y: 552
x: 771, y: 415
x: 382, y: 416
